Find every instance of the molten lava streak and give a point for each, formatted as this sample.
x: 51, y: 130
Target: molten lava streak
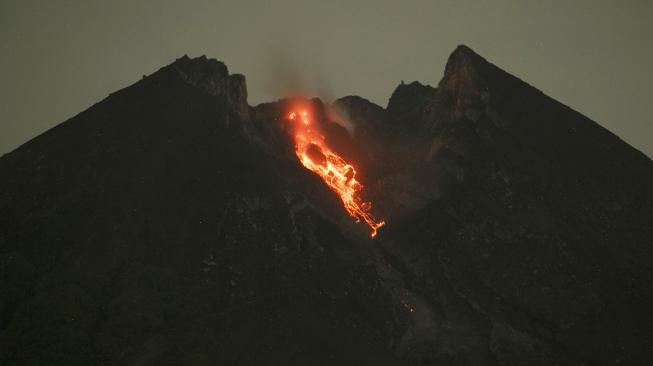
x: 338, y: 174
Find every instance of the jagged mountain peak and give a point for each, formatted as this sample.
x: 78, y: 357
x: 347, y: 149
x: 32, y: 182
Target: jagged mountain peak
x: 462, y: 56
x: 201, y: 65
x: 212, y: 76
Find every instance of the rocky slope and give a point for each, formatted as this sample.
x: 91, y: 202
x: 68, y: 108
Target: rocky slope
x: 172, y: 224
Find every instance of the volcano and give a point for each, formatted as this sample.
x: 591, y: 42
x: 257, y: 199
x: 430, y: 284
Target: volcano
x: 479, y: 222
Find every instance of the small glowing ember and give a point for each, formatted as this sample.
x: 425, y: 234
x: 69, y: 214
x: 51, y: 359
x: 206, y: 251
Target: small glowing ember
x: 337, y: 173
x: 304, y: 116
x: 408, y: 306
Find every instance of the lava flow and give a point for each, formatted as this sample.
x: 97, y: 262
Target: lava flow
x: 338, y: 174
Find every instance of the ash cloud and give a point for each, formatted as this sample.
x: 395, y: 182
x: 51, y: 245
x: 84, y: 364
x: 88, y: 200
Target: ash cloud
x: 292, y: 74
x: 340, y: 116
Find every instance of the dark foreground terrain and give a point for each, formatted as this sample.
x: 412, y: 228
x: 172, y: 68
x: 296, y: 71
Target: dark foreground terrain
x: 171, y: 224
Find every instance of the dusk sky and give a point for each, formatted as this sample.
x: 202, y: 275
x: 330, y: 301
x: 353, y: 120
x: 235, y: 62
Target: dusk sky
x: 59, y: 58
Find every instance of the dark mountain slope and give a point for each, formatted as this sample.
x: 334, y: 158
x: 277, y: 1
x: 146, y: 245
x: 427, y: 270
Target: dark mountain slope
x: 546, y: 232
x: 149, y: 230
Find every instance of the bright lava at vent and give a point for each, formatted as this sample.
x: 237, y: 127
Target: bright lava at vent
x: 338, y: 174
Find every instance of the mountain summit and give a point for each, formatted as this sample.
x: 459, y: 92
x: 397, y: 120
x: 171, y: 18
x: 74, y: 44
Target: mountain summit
x: 174, y: 224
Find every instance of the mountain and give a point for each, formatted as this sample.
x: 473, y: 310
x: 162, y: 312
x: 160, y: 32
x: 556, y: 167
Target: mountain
x: 172, y: 224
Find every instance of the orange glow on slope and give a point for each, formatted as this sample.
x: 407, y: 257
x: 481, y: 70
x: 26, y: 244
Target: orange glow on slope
x: 338, y: 174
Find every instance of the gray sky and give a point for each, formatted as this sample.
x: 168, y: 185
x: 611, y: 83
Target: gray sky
x: 59, y: 57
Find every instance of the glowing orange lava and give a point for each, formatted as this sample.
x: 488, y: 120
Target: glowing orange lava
x: 337, y: 173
